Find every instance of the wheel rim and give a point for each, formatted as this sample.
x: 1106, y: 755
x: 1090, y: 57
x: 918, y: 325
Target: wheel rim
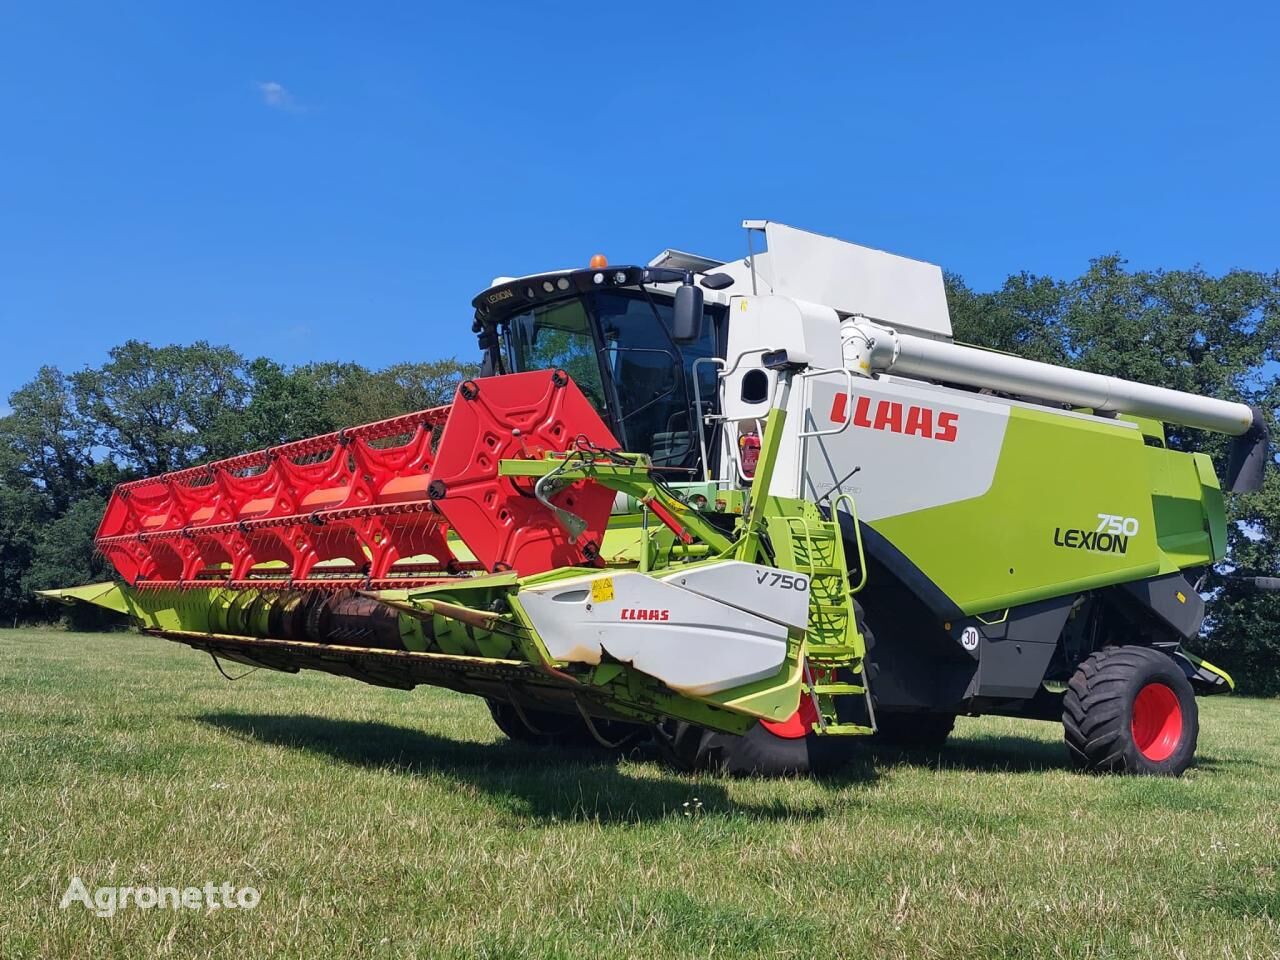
x: 1157, y: 721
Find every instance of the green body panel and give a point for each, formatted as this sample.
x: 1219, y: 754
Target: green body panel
x: 1024, y: 539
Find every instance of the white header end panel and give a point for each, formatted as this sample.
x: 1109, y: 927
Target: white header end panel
x: 898, y: 291
x: 765, y: 591
x: 691, y: 643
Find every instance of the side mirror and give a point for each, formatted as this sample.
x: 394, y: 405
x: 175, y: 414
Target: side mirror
x: 686, y: 318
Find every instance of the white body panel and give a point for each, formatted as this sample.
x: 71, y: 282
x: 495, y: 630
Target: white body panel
x: 759, y: 324
x: 914, y: 446
x: 692, y: 643
x: 764, y: 591
x: 858, y: 280
x: 918, y: 472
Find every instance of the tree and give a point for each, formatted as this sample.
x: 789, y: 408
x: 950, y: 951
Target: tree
x: 156, y: 409
x: 350, y: 394
x: 21, y: 509
x: 63, y: 554
x: 283, y: 404
x: 1243, y: 623
x: 429, y: 383
x: 51, y: 442
x: 291, y: 403
x: 1181, y: 329
x: 1023, y: 317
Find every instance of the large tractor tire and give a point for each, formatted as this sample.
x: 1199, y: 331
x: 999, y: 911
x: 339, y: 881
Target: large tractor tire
x: 1131, y: 710
x: 547, y: 728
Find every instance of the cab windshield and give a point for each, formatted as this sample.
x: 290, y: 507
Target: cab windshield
x: 617, y: 346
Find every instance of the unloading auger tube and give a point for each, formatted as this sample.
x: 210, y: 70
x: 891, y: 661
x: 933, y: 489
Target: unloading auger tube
x: 869, y: 346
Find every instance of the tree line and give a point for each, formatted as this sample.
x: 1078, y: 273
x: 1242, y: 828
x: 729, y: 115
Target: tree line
x: 69, y: 437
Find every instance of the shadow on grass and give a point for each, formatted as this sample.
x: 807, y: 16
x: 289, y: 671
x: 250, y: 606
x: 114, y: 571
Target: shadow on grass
x: 549, y: 784
x: 576, y: 784
x: 867, y: 759
x: 1002, y: 753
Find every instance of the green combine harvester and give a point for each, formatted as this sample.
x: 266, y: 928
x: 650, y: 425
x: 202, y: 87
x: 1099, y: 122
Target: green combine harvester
x: 752, y: 509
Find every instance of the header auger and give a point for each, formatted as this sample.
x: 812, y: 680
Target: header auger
x: 682, y: 497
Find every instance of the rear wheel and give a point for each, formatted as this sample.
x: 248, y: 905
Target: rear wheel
x: 1131, y: 710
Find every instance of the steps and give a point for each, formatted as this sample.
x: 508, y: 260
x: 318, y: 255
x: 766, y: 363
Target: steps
x: 834, y: 651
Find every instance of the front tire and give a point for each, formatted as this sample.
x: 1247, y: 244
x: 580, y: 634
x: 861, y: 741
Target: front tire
x: 1131, y: 710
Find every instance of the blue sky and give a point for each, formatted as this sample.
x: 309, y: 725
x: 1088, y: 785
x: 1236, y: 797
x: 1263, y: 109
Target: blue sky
x: 317, y: 181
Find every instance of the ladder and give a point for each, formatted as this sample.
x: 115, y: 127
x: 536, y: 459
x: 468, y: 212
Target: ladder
x: 834, y: 652
x: 802, y: 540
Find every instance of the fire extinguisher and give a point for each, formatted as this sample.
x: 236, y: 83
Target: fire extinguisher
x: 749, y: 453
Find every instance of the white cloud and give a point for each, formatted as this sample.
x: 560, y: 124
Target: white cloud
x: 276, y: 96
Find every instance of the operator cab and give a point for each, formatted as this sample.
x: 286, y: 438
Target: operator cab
x: 612, y: 330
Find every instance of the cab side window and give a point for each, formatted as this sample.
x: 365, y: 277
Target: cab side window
x: 653, y: 379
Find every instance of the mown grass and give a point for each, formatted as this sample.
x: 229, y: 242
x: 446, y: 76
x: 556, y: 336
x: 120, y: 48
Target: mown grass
x: 380, y: 823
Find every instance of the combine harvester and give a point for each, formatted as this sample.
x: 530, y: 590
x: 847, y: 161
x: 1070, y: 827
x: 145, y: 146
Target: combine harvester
x: 683, y: 496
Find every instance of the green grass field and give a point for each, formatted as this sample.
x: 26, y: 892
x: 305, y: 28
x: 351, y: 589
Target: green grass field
x: 381, y: 823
